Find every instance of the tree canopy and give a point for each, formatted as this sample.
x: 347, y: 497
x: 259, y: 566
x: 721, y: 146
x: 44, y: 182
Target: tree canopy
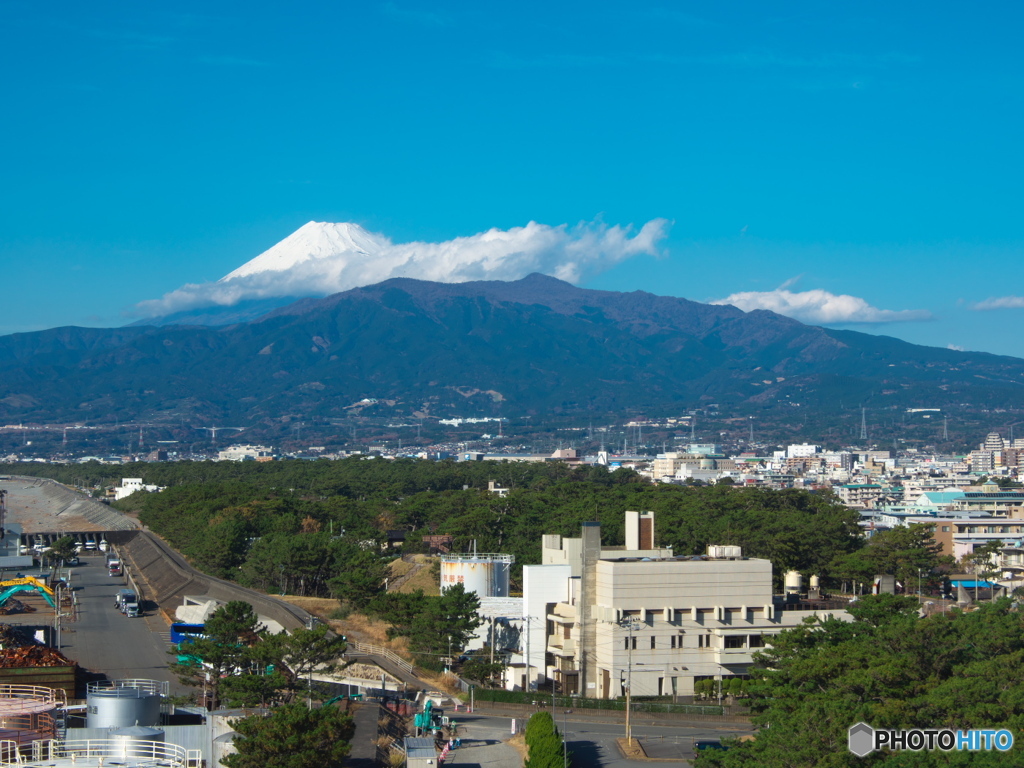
x: 292, y: 736
x: 238, y: 663
x: 301, y: 526
x: 890, y: 669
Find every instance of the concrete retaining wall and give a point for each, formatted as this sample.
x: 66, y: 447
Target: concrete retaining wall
x: 70, y: 504
x: 168, y: 578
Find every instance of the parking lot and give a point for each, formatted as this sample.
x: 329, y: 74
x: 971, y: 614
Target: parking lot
x: 97, y: 635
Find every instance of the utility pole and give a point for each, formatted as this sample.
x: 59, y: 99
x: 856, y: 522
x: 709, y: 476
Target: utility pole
x: 565, y: 754
x: 629, y: 623
x: 528, y: 685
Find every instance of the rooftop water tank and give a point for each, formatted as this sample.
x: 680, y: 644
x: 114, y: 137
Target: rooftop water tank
x: 794, y: 582
x: 721, y: 551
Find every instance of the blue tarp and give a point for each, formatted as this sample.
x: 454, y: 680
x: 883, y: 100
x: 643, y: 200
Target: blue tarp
x: 973, y: 584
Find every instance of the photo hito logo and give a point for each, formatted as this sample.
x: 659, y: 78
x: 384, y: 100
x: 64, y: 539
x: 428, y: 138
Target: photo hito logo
x: 862, y: 739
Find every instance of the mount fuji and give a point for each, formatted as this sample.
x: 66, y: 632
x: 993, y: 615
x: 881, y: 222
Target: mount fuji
x: 312, y: 242
x: 315, y: 246
x: 320, y: 259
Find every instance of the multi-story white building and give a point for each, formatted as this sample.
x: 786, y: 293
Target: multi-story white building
x: 245, y: 453
x: 640, y: 611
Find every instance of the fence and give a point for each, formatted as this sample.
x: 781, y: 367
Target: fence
x: 375, y: 650
x: 576, y: 702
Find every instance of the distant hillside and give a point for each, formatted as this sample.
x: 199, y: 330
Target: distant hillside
x: 537, y: 345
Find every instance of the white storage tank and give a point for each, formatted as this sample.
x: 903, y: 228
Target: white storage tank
x: 485, y: 574
x: 794, y: 582
x: 720, y: 551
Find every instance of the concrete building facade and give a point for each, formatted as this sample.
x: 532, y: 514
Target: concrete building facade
x: 665, y: 621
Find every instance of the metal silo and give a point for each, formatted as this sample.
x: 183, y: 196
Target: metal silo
x: 485, y: 574
x: 123, y: 703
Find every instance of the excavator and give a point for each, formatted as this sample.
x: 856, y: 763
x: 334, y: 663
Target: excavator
x: 11, y: 587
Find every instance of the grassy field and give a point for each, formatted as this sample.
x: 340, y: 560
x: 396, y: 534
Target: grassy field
x: 423, y: 575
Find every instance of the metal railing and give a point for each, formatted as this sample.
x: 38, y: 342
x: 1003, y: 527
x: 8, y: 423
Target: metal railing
x: 55, y: 696
x: 376, y: 650
x: 128, y: 688
x: 128, y: 753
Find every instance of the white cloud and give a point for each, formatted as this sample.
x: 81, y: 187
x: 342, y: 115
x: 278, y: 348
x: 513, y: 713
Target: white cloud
x: 820, y: 307
x: 1003, y: 302
x: 321, y: 259
x: 955, y: 348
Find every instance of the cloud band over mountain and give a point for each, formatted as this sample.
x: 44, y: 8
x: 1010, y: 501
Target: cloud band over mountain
x: 321, y: 259
x: 819, y: 307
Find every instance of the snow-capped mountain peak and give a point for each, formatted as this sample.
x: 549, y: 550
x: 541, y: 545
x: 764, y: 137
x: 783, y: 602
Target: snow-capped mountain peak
x: 312, y: 241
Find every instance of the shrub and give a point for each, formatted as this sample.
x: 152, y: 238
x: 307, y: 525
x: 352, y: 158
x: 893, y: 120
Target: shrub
x: 543, y: 742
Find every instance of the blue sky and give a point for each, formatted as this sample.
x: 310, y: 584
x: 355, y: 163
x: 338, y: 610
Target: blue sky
x: 868, y: 150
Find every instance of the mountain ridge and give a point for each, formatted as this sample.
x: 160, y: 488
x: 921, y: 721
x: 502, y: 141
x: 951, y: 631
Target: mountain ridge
x: 533, y: 345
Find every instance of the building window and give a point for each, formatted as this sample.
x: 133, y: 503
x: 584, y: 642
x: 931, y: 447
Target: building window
x: 945, y: 529
x: 757, y: 641
x: 625, y: 644
x: 735, y: 641
x: 703, y: 641
x: 566, y: 631
x: 653, y: 644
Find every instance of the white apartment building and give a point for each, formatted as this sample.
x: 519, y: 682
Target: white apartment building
x: 640, y: 611
x: 130, y: 485
x: 245, y: 453
x: 802, y: 451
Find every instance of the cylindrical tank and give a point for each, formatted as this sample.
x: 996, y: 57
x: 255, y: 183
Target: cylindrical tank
x: 111, y: 705
x: 815, y: 582
x: 223, y: 746
x: 485, y: 574
x: 794, y: 582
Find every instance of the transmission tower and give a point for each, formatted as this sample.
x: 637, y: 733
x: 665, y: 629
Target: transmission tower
x: 945, y: 428
x: 863, y: 424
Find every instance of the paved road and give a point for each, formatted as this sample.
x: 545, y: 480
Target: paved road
x: 100, y: 638
x: 592, y: 742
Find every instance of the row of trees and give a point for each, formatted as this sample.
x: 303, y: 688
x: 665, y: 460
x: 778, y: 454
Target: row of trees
x: 890, y: 669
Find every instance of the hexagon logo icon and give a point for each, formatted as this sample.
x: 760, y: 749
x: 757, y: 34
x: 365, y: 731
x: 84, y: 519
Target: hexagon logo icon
x: 861, y: 739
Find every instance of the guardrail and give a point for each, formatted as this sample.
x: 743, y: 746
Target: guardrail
x: 377, y: 650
